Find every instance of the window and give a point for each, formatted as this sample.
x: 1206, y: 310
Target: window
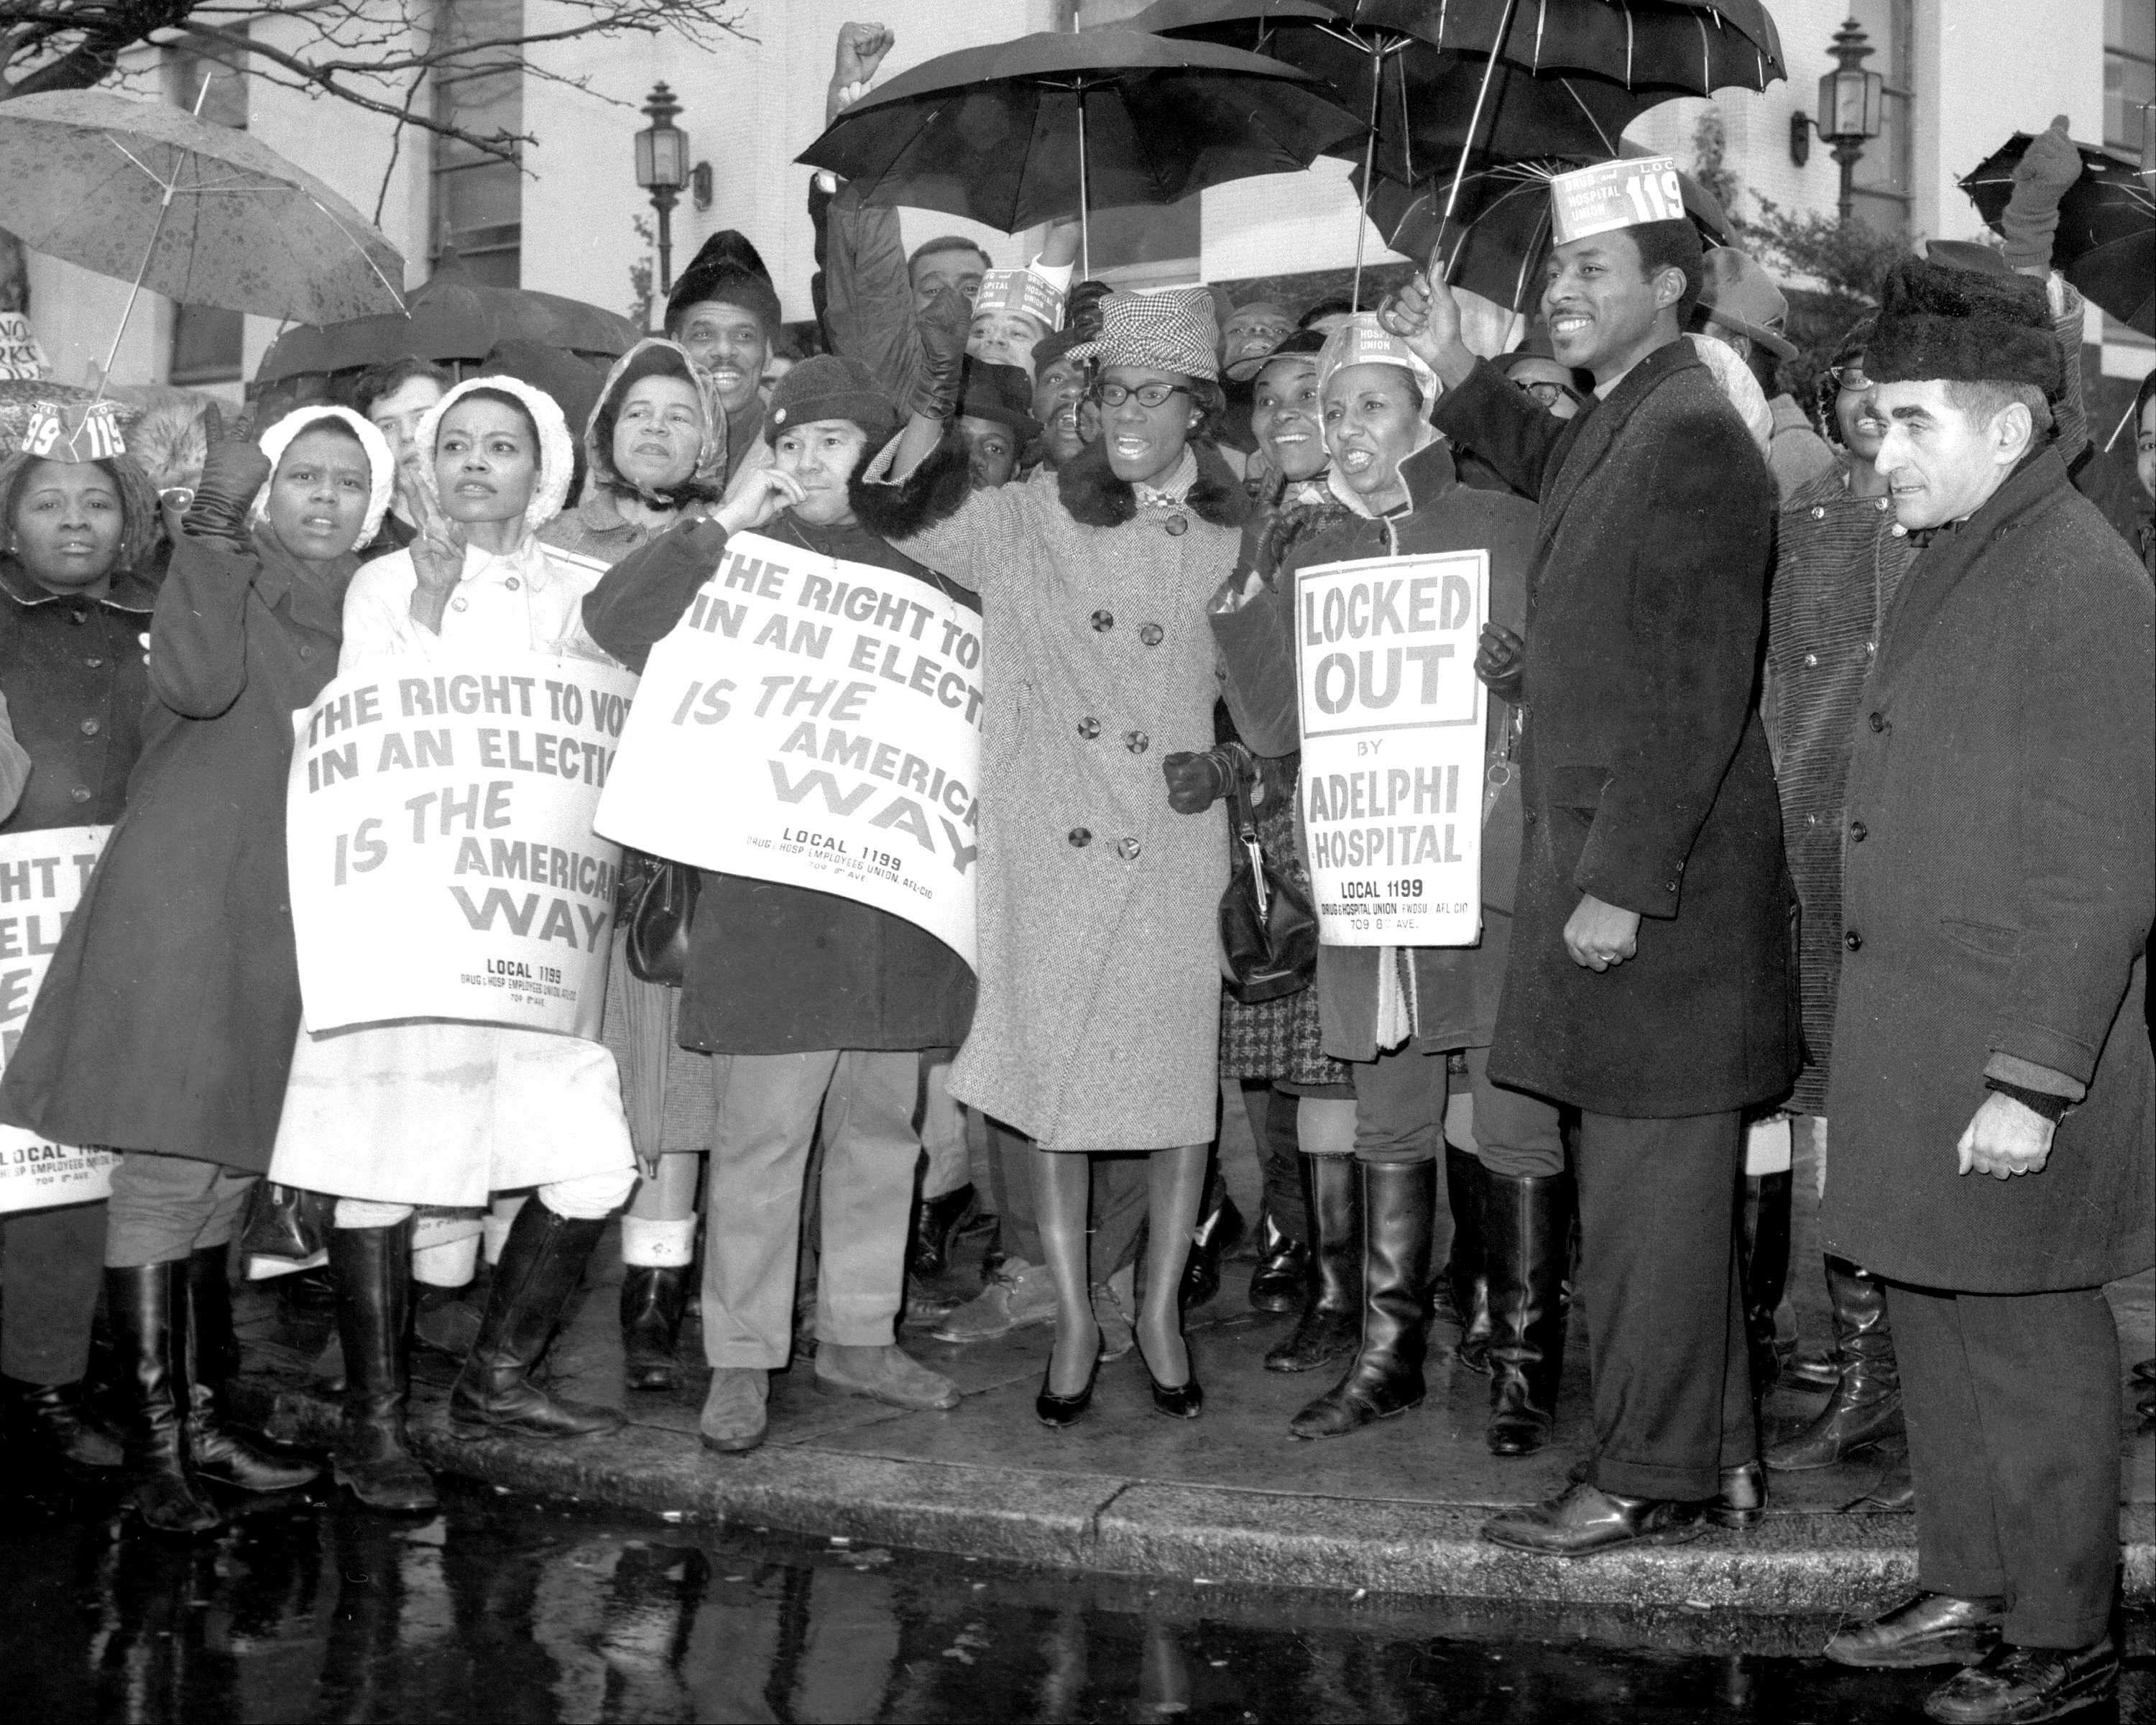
x: 207, y: 342
x: 479, y: 199
x: 2130, y: 71
x: 1883, y: 183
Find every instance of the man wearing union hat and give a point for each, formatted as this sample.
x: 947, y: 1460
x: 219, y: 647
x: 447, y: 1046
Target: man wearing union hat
x: 1098, y: 1025
x: 1740, y: 307
x: 1649, y: 983
x: 1992, y: 1084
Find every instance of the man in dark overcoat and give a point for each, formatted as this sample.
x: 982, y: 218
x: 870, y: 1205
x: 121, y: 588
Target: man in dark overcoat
x: 1992, y: 1086
x: 1649, y: 984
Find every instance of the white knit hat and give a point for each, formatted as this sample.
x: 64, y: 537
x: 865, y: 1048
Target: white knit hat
x: 557, y: 452
x: 381, y: 464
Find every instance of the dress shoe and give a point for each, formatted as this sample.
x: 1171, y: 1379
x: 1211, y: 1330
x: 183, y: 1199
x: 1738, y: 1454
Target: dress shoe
x: 1219, y: 1230
x: 1931, y: 1629
x: 886, y: 1374
x: 1742, y: 1500
x: 48, y: 1419
x: 1019, y: 1296
x: 1179, y: 1401
x: 1282, y: 1276
x: 2015, y: 1685
x: 935, y: 1220
x: 1058, y: 1411
x: 1587, y: 1519
x: 735, y: 1410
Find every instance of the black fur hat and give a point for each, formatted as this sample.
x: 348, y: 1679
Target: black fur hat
x: 1963, y: 326
x: 728, y: 267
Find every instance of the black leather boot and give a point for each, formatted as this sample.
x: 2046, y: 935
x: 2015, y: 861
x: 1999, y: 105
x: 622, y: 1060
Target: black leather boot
x: 1763, y: 1262
x: 1526, y: 1224
x: 372, y: 1270
x: 217, y: 1453
x: 1281, y: 1281
x: 1220, y: 1229
x: 653, y: 1298
x: 1398, y: 1202
x: 1333, y: 1311
x: 1465, y: 1282
x: 541, y: 1262
x: 48, y: 1421
x: 1866, y: 1405
x: 146, y: 1307
x: 934, y: 1221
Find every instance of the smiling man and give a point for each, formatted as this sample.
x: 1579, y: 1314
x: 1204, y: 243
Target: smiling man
x: 1649, y: 983
x: 1991, y: 1085
x: 725, y: 312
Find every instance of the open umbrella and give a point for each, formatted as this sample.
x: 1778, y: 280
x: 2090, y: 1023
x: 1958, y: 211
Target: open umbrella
x: 1049, y: 126
x: 202, y: 214
x: 2106, y: 244
x: 451, y: 317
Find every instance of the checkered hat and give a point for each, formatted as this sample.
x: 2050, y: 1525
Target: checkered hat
x: 1172, y: 331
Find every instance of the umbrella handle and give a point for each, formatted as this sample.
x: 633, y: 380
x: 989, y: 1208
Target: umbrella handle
x: 1467, y: 145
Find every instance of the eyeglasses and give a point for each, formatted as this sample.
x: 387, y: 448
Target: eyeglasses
x: 1149, y: 395
x: 1850, y: 377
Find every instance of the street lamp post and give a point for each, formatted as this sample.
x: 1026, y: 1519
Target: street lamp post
x: 662, y: 169
x: 1851, y: 110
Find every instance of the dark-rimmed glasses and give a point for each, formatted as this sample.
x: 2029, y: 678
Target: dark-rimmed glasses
x: 1149, y: 395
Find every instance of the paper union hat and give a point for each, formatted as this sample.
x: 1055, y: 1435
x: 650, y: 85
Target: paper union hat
x: 1021, y: 291
x: 73, y: 431
x: 1362, y: 340
x: 1629, y: 192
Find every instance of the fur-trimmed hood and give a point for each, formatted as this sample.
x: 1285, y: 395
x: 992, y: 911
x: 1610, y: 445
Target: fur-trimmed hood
x: 1095, y: 498
x: 556, y: 455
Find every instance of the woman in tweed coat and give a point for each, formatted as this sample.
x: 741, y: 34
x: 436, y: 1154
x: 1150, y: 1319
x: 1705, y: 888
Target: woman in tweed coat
x: 1098, y: 1023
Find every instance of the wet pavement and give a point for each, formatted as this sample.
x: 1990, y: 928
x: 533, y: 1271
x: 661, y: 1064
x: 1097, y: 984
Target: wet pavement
x: 509, y: 1608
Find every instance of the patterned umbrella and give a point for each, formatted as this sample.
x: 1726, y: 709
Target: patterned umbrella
x: 202, y: 214
x: 2106, y: 244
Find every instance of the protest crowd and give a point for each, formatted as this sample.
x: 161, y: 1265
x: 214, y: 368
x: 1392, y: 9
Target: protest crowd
x: 1811, y: 759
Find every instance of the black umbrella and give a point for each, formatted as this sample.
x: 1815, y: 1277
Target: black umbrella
x: 2106, y: 244
x: 1048, y: 125
x: 1417, y: 99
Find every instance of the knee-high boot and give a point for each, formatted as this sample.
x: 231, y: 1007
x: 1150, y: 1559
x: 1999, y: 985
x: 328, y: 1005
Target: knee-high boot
x: 1764, y: 1244
x: 1867, y: 1403
x: 1398, y: 1203
x: 146, y: 1305
x: 1527, y: 1228
x: 1466, y: 1280
x: 1333, y: 1313
x: 216, y: 1451
x: 541, y: 1262
x: 372, y: 1269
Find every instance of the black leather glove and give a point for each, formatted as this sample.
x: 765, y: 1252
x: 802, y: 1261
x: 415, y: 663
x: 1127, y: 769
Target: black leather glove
x: 1196, y: 781
x: 944, y: 325
x: 1500, y: 658
x: 232, y: 473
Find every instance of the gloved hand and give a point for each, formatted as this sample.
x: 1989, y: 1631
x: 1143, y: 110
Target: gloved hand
x: 1500, y: 659
x: 2047, y: 170
x: 944, y: 327
x: 233, y: 472
x: 1196, y: 781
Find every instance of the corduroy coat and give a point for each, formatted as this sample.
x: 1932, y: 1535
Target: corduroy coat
x: 1998, y: 880
x: 1644, y: 769
x: 1099, y: 1021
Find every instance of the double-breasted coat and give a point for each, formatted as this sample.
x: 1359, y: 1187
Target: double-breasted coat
x: 1644, y: 770
x: 1998, y: 852
x: 1099, y: 1022
x: 165, y: 1021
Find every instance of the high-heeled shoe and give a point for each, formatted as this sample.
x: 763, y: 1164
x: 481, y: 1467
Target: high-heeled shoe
x: 1058, y: 1411
x: 1179, y: 1401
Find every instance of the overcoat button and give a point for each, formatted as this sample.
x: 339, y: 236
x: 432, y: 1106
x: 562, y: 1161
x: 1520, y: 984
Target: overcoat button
x: 78, y: 616
x: 1819, y: 511
x: 459, y: 605
x: 80, y: 793
x: 1104, y: 619
x: 1136, y: 741
x: 306, y: 652
x: 1877, y: 721
x: 1080, y: 838
x: 1669, y: 886
x: 1853, y: 941
x: 90, y: 727
x: 1856, y: 830
x: 1811, y: 658
x: 1089, y: 728
x: 1901, y: 531
x: 1128, y: 848
x: 1177, y: 526
x: 1152, y: 634
x: 510, y: 583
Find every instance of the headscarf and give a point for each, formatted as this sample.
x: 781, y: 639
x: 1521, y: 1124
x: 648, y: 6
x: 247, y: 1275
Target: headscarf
x: 381, y: 464
x: 654, y: 356
x: 557, y: 455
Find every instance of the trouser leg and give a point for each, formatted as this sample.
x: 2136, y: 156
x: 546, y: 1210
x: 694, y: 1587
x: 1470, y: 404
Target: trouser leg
x: 1121, y: 1202
x: 51, y: 1264
x: 1957, y: 1549
x: 867, y: 1194
x: 1517, y: 1135
x: 766, y: 1108
x: 942, y: 1132
x: 167, y: 1208
x: 1658, y: 1207
x: 1010, y: 1158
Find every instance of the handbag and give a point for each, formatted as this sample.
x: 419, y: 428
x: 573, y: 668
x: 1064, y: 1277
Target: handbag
x: 662, y: 906
x: 287, y: 1222
x: 1268, y: 932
